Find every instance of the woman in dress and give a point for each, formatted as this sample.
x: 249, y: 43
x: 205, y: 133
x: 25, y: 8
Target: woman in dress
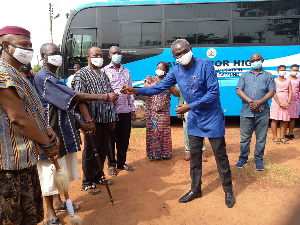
x: 280, y: 105
x: 158, y: 130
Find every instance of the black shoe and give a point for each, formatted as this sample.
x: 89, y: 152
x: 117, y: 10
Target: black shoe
x: 190, y: 196
x: 229, y: 199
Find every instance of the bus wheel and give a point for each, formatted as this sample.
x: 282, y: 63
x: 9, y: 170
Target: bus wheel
x: 140, y: 110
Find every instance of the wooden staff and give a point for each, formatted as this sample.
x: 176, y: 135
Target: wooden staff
x: 100, y: 166
x: 61, y: 181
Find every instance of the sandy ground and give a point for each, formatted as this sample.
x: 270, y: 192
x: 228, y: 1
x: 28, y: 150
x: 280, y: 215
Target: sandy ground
x: 149, y: 195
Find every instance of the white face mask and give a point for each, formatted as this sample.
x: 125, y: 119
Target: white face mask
x: 23, y: 56
x: 294, y: 74
x: 185, y: 59
x: 55, y: 60
x: 98, y: 62
x: 159, y: 72
x: 281, y: 73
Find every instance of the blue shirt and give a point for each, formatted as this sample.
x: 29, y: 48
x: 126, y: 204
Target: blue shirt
x: 256, y: 87
x: 59, y: 109
x: 200, y: 89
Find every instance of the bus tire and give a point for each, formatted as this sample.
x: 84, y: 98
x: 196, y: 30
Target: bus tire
x: 140, y: 110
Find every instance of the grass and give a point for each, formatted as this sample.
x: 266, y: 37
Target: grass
x: 275, y: 172
x: 138, y: 134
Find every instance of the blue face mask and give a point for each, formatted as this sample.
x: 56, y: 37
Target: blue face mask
x: 294, y: 74
x: 116, y: 59
x: 256, y: 65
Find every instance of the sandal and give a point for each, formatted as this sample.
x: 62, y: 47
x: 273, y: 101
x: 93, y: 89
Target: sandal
x: 276, y: 140
x: 63, y: 207
x: 102, y: 182
x: 52, y: 221
x: 126, y: 167
x: 284, y: 141
x: 111, y: 171
x: 91, y: 189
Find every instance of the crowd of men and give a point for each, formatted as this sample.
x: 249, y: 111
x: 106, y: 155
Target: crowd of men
x: 40, y: 118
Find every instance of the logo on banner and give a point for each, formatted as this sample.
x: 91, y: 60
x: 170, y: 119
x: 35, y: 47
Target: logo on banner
x: 211, y: 53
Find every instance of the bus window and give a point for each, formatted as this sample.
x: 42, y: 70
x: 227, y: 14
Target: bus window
x: 141, y: 13
x: 213, y: 32
x: 140, y: 34
x: 82, y: 39
x: 249, y: 31
x: 110, y: 34
x: 283, y: 31
x: 89, y: 15
x: 188, y: 11
x: 186, y: 30
x: 151, y: 34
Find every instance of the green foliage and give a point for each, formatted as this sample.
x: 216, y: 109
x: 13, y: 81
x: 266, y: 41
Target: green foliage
x: 36, y: 68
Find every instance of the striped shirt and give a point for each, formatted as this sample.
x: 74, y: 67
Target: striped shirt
x: 91, y: 81
x: 118, y: 78
x: 17, y: 151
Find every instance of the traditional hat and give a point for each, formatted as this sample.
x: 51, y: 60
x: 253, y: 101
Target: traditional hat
x: 14, y: 30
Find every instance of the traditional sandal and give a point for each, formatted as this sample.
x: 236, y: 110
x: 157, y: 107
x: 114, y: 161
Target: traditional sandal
x: 276, y: 140
x: 111, y: 171
x: 52, y: 221
x: 126, y: 167
x: 91, y: 189
x: 284, y: 141
x: 63, y: 207
x: 102, y: 182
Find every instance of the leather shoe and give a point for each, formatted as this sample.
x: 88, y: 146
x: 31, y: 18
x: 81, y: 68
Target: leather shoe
x: 190, y: 196
x: 229, y: 199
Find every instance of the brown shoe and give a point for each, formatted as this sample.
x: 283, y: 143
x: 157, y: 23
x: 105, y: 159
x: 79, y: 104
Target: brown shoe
x: 204, y: 159
x: 187, y: 157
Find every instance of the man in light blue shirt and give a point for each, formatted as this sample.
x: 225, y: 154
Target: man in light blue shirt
x: 198, y: 83
x: 255, y: 88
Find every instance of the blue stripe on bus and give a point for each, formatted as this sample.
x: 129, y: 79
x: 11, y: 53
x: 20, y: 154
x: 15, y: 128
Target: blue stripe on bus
x: 158, y: 2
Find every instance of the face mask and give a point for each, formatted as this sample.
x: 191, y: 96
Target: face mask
x: 185, y: 59
x: 22, y: 55
x: 294, y: 74
x: 55, y: 60
x: 159, y: 72
x: 281, y: 73
x: 116, y: 59
x: 256, y: 65
x: 98, y: 62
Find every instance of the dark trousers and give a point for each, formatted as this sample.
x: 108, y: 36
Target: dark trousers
x: 119, y: 138
x: 219, y: 148
x: 91, y: 170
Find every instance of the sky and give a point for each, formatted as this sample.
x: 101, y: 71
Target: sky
x: 33, y: 15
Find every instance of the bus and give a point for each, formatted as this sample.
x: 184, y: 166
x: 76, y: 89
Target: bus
x: 227, y: 32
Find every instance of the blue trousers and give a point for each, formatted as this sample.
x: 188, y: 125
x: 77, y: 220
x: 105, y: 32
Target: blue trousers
x: 260, y: 125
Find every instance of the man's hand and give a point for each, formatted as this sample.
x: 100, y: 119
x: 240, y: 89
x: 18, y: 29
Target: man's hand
x: 51, y: 152
x: 88, y: 127
x: 183, y: 108
x: 112, y: 97
x: 128, y: 90
x: 52, y: 135
x: 254, y: 105
x: 133, y: 117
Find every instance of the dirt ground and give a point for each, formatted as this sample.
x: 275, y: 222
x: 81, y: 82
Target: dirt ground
x: 149, y: 195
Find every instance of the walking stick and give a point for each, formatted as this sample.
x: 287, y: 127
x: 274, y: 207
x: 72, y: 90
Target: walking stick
x: 61, y: 181
x: 100, y: 166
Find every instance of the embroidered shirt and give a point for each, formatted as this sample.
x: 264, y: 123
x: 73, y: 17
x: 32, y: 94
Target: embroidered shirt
x: 59, y: 109
x: 117, y: 79
x: 91, y: 81
x: 17, y: 151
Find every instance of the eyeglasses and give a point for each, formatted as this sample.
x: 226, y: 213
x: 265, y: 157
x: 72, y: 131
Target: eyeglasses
x: 255, y: 60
